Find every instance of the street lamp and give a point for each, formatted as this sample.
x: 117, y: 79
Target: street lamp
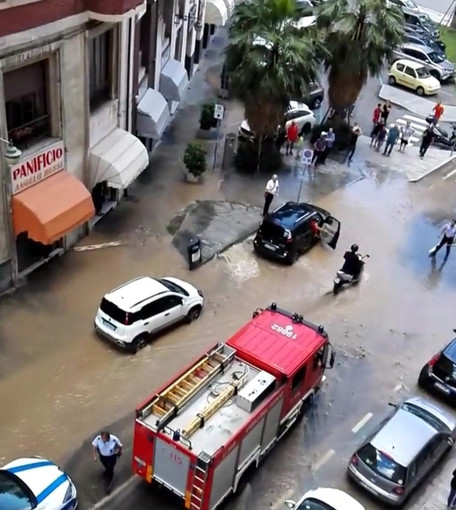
x: 12, y: 155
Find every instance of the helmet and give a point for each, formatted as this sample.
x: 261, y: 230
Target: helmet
x: 354, y: 248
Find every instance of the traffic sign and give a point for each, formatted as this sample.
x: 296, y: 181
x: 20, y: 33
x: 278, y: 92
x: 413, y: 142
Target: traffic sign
x: 306, y: 156
x: 219, y: 110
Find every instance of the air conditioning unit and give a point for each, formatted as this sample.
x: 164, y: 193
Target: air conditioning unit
x: 254, y: 392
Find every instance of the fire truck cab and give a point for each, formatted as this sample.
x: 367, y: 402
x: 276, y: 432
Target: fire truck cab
x: 199, y: 434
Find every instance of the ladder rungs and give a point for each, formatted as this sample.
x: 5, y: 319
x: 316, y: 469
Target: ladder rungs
x: 159, y: 410
x: 199, y: 489
x: 174, y: 398
x: 194, y: 496
x: 199, y: 479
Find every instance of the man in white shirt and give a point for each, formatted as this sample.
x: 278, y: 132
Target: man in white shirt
x: 448, y: 234
x: 406, y: 134
x: 272, y: 188
x: 108, y: 448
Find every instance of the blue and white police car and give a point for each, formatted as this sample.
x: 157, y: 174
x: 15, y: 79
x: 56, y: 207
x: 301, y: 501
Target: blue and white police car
x: 36, y: 483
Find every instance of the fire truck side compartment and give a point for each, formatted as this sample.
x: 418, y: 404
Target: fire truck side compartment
x: 171, y: 466
x: 224, y: 477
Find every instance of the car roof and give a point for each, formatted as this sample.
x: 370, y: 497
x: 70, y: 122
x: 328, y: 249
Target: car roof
x: 296, y: 105
x: 134, y: 292
x: 421, y: 47
x: 335, y: 498
x: 290, y: 213
x: 406, y: 10
x: 409, y: 63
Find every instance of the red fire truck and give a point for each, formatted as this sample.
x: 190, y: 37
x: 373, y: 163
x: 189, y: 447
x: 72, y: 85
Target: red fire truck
x: 201, y: 432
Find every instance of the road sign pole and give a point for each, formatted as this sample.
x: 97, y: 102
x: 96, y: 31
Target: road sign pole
x: 219, y: 111
x: 300, y: 184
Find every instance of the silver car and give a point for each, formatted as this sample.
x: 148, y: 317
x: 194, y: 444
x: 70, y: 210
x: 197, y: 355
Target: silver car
x: 398, y: 455
x: 437, y: 66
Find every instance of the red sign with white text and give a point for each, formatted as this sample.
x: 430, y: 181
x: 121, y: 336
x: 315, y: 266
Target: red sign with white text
x: 38, y: 167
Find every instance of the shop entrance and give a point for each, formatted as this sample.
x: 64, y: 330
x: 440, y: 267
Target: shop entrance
x: 104, y: 198
x: 31, y: 254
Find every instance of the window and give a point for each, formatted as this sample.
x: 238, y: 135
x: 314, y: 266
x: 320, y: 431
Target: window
x: 400, y: 67
x: 26, y: 104
x: 425, y: 415
x: 319, y: 357
x: 422, y: 72
x: 173, y: 287
x: 410, y: 72
x: 100, y: 50
x: 174, y: 301
x: 156, y: 307
x: 382, y: 464
x: 314, y: 504
x: 117, y: 314
x: 298, y: 378
x: 13, y: 495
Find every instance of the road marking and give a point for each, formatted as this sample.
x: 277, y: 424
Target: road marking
x: 283, y: 498
x: 114, y: 493
x: 323, y: 460
x: 450, y: 174
x: 413, y: 118
x: 361, y: 423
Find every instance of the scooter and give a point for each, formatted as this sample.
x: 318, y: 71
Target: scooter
x: 441, y: 136
x: 342, y: 278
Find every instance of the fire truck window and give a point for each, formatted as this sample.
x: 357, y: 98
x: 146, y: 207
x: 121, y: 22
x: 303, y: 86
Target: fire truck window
x: 319, y: 358
x: 298, y: 378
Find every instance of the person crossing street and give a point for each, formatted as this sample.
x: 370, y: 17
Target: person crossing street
x: 448, y: 234
x: 108, y: 448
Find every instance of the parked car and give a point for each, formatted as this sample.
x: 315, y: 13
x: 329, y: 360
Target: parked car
x: 394, y: 460
x: 422, y: 20
x: 287, y: 232
x: 424, y: 40
x: 299, y: 112
x: 36, y: 483
x: 408, y: 4
x: 413, y: 76
x: 420, y: 32
x: 439, y: 373
x: 131, y: 312
x: 325, y: 499
x: 437, y: 66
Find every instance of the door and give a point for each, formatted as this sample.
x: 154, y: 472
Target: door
x: 410, y: 77
x: 399, y: 75
x: 330, y: 232
x: 303, y: 237
x: 171, y: 466
x: 163, y: 311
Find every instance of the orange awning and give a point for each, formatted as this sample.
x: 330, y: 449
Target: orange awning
x: 50, y: 209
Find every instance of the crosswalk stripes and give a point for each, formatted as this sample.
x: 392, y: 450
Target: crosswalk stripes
x: 449, y: 174
x: 417, y: 123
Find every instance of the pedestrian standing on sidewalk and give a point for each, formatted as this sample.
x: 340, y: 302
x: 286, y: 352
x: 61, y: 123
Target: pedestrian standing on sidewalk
x: 351, y: 148
x: 438, y: 112
x: 406, y: 134
x: 330, y: 139
x: 381, y: 137
x: 386, y: 109
x: 448, y: 234
x: 376, y: 115
x: 452, y: 497
x: 428, y: 136
x: 319, y: 149
x: 107, y: 448
x: 272, y: 188
x: 391, y: 139
x: 375, y: 131
x: 280, y: 137
x: 292, y: 137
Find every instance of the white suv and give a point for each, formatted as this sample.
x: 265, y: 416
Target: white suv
x: 145, y: 305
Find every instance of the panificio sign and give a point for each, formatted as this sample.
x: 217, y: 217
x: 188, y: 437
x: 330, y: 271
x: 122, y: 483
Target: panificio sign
x: 38, y: 167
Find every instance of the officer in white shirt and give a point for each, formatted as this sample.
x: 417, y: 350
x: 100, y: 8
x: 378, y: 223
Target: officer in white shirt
x: 108, y: 448
x: 448, y: 234
x: 272, y: 188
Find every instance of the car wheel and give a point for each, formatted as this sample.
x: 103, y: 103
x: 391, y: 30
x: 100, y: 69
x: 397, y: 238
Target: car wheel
x: 420, y: 91
x: 316, y: 103
x: 423, y: 378
x: 292, y: 257
x: 392, y: 80
x: 139, y: 343
x: 306, y: 128
x: 193, y: 314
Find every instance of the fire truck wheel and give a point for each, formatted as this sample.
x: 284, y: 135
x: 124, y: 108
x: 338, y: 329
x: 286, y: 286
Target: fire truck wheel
x: 138, y: 343
x: 193, y: 314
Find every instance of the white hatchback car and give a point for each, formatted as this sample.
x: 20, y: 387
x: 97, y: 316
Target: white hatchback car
x: 130, y: 313
x: 298, y: 112
x: 36, y: 483
x: 325, y: 498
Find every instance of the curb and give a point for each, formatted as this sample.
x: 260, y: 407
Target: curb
x: 442, y: 166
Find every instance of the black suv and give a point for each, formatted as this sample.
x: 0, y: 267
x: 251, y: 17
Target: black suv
x: 290, y: 230
x: 439, y: 373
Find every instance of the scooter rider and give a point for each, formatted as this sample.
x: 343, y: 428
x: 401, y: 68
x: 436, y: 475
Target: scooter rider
x: 353, y: 263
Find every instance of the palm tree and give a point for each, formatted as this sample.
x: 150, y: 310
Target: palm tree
x: 270, y: 60
x: 359, y: 36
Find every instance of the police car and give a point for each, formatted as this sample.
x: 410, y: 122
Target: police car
x: 36, y: 483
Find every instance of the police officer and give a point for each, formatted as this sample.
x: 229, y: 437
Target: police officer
x: 108, y: 448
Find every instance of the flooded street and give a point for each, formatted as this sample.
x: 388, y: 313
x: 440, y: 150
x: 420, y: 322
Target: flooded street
x: 59, y: 381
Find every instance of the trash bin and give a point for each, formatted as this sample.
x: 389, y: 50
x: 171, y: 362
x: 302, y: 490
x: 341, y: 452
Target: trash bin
x: 229, y: 151
x: 194, y: 253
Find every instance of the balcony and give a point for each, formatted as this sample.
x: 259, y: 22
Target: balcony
x: 112, y: 10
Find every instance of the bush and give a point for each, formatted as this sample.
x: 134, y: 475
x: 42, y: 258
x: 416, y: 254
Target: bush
x: 247, y: 156
x: 195, y: 159
x: 207, y: 120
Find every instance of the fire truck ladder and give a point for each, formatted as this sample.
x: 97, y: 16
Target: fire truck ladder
x: 181, y: 391
x: 199, y: 481
x: 213, y: 407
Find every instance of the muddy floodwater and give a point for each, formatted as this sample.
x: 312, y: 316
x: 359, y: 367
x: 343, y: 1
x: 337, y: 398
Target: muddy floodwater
x: 59, y: 383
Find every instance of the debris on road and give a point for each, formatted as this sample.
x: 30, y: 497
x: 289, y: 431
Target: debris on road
x: 91, y: 247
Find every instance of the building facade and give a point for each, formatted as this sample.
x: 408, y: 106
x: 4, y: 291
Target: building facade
x: 87, y: 88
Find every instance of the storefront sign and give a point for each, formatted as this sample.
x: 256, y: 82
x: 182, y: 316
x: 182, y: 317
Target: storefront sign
x: 38, y: 167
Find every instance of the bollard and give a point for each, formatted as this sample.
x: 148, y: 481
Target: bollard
x: 194, y: 253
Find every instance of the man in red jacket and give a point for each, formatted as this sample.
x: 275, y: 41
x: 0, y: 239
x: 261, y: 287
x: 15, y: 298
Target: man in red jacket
x: 292, y: 137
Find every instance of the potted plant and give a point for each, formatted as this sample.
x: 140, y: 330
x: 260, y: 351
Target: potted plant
x: 195, y: 161
x: 207, y: 116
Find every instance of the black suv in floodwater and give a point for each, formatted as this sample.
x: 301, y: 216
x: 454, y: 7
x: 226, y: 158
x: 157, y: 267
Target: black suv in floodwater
x: 290, y: 230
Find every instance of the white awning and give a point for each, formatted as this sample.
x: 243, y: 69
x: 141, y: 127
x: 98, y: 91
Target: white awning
x: 173, y: 80
x: 118, y: 159
x: 216, y: 12
x: 229, y: 4
x: 152, y: 115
